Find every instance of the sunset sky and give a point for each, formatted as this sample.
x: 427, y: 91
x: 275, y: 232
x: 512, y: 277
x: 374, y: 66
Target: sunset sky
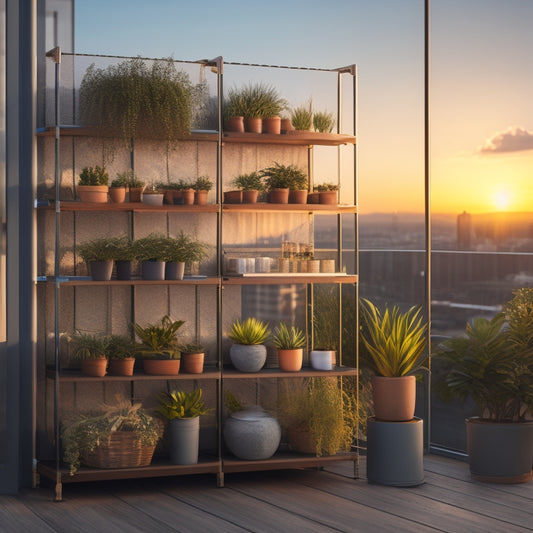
x: 482, y: 81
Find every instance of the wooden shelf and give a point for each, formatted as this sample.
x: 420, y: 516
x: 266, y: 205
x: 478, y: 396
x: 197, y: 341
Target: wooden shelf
x: 297, y: 138
x: 262, y: 207
x: 83, y: 281
x: 288, y: 279
x: 306, y: 372
x: 135, y: 207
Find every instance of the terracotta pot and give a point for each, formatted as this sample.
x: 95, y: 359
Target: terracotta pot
x: 96, y: 194
x: 328, y: 197
x: 188, y: 196
x: 253, y: 125
x: 169, y: 196
x: 250, y: 197
x: 117, y: 194
x: 135, y: 194
x: 394, y: 398
x: 298, y: 197
x: 233, y: 197
x: 272, y: 125
x: 122, y: 367
x: 278, y: 196
x: 101, y: 270
x: 161, y: 367
x: 94, y: 367
x: 301, y: 439
x: 290, y: 360
x: 313, y: 198
x: 200, y: 197
x: 234, y: 124
x: 286, y: 125
x: 193, y: 363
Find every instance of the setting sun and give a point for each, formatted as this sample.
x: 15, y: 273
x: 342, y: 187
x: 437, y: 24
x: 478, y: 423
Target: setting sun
x: 502, y: 200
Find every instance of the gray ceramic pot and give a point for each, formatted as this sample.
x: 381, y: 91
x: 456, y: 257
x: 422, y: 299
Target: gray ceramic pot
x: 248, y: 358
x: 184, y: 438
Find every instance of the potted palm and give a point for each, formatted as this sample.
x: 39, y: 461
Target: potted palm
x: 93, y: 185
x: 395, y: 343
x: 251, y: 184
x: 493, y: 363
x: 118, y: 436
x: 119, y: 350
x: 159, y: 348
x: 183, y: 410
x: 98, y: 254
x: 289, y: 341
x: 91, y: 351
x: 248, y: 353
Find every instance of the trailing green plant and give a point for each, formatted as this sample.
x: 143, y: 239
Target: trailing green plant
x: 249, y: 332
x: 249, y: 182
x: 160, y: 340
x: 288, y: 338
x: 89, y: 346
x: 102, y: 249
x: 119, y: 347
x: 281, y: 176
x: 93, y: 176
x: 493, y: 362
x: 84, y: 433
x: 323, y: 121
x: 255, y: 100
x: 202, y: 183
x: 325, y: 408
x: 395, y: 341
x: 132, y: 99
x: 181, y: 404
x: 302, y: 118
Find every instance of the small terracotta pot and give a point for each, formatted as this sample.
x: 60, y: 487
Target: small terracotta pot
x: 94, y: 367
x: 394, y: 398
x: 161, y: 367
x: 278, y: 196
x: 253, y: 125
x: 135, y: 194
x: 286, y: 125
x: 200, y: 197
x: 313, y: 198
x: 233, y: 197
x: 122, y: 367
x: 290, y: 360
x: 193, y: 363
x: 250, y: 197
x: 188, y: 196
x: 169, y: 196
x: 328, y: 197
x: 298, y: 197
x: 234, y: 124
x: 117, y: 194
x: 96, y: 194
x: 301, y: 439
x: 272, y: 125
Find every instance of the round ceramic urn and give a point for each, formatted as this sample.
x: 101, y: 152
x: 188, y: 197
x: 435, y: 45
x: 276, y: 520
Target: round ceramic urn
x: 252, y: 434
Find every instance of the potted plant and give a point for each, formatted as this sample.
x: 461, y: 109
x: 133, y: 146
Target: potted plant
x: 493, y: 364
x: 234, y: 109
x: 202, y: 186
x: 328, y: 193
x: 171, y: 191
x: 279, y: 179
x: 117, y: 189
x: 119, y: 350
x: 91, y: 351
x: 135, y: 186
x: 289, y: 341
x: 323, y: 121
x: 159, y: 347
x: 319, y: 415
x: 193, y: 253
x: 183, y: 410
x: 123, y: 254
x: 248, y: 353
x: 150, y: 251
x: 93, y: 185
x: 302, y: 118
x: 98, y: 254
x: 119, y: 436
x: 251, y: 184
x: 152, y: 195
x: 193, y: 355
x: 395, y: 343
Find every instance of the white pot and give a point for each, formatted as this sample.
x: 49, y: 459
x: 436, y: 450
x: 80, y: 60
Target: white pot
x: 152, y: 199
x: 321, y: 359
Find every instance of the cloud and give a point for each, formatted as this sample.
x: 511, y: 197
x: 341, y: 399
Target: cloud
x: 513, y: 140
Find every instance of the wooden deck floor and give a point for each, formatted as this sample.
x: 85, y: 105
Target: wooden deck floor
x: 303, y: 500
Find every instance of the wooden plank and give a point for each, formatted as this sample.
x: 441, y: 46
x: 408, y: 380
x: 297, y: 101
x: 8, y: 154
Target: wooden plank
x: 15, y: 516
x: 88, y: 282
x: 289, y: 279
x: 262, y: 207
x: 136, y: 207
x: 305, y: 372
x: 71, y: 376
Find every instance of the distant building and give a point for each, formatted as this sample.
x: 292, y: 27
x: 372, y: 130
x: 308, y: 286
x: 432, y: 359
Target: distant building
x: 464, y: 231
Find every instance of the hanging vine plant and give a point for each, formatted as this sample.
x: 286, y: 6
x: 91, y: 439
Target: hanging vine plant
x: 135, y: 100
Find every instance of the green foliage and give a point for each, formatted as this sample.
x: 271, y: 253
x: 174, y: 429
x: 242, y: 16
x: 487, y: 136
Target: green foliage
x: 302, y: 118
x: 288, y: 338
x: 281, y: 176
x: 119, y: 347
x: 122, y: 249
x: 395, y: 341
x: 102, y: 249
x: 132, y: 99
x: 494, y: 362
x: 84, y: 433
x: 181, y: 404
x: 192, y: 347
x: 325, y: 319
x: 93, y: 176
x: 250, y: 331
x: 159, y: 340
x: 232, y: 403
x: 89, y: 346
x: 249, y: 182
x: 150, y: 248
x: 323, y: 121
x: 122, y: 180
x: 202, y: 183
x: 254, y: 101
x: 324, y: 187
x: 325, y: 408
x: 129, y: 179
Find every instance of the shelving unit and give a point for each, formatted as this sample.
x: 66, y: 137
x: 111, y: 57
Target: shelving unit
x: 225, y: 297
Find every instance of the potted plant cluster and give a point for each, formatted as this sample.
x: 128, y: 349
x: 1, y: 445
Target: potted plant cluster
x: 118, y: 436
x: 327, y: 193
x: 93, y: 185
x: 493, y: 364
x: 248, y: 353
x: 159, y: 347
x: 183, y: 410
x: 279, y: 179
x: 249, y: 186
x: 289, y: 341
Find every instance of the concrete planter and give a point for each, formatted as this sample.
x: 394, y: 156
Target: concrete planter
x: 248, y: 358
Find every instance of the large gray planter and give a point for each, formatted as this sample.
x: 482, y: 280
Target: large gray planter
x: 184, y: 440
x: 252, y: 434
x: 248, y: 357
x: 395, y: 452
x: 500, y: 452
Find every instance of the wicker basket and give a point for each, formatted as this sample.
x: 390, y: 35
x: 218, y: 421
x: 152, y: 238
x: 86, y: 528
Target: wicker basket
x: 122, y: 450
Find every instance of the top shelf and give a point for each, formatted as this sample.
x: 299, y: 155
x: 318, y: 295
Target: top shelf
x: 298, y: 138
